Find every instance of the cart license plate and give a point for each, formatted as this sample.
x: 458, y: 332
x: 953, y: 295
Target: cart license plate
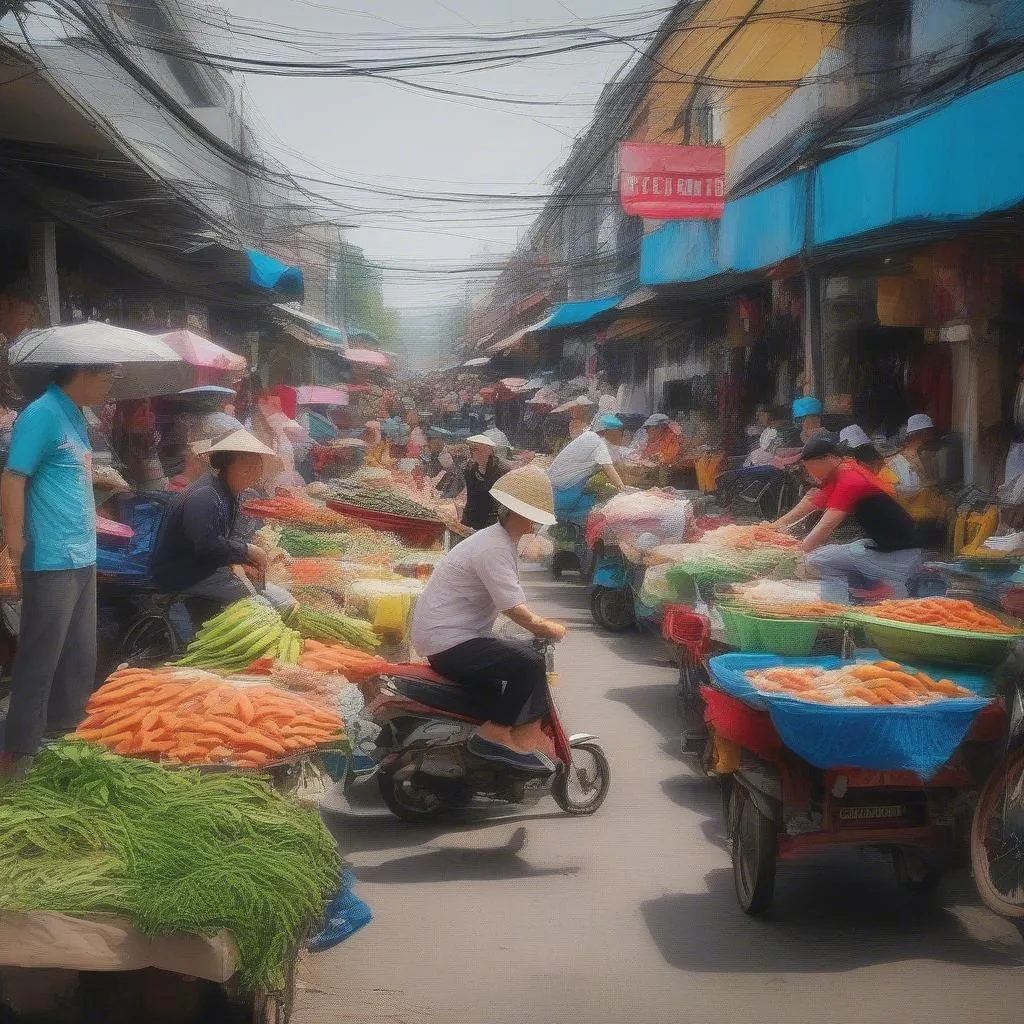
x: 876, y: 813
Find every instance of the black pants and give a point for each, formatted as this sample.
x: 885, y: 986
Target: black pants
x: 514, y: 673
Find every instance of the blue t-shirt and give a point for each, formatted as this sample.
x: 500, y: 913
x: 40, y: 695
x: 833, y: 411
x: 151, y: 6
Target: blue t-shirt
x: 50, y: 446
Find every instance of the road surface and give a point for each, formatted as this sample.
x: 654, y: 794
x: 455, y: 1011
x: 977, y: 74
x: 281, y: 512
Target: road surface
x: 536, y: 918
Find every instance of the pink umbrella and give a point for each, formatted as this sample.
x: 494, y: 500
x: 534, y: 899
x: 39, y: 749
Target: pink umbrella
x: 317, y: 394
x: 211, y: 361
x: 368, y: 357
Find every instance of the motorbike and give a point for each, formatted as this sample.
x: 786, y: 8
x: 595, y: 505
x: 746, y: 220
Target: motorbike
x: 997, y: 829
x: 423, y: 766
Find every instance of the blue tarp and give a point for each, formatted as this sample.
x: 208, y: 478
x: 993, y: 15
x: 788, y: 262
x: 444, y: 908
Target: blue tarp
x: 947, y: 163
x: 961, y: 161
x: 756, y: 231
x: 569, y: 314
x: 272, y: 274
x: 919, y: 739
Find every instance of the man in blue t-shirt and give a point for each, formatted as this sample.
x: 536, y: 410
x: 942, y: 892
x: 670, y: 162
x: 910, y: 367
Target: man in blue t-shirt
x: 49, y: 521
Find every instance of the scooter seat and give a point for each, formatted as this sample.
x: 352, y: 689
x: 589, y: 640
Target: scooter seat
x: 445, y: 696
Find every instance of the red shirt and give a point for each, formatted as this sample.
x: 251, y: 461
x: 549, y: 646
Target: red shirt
x: 856, y: 490
x: 850, y: 485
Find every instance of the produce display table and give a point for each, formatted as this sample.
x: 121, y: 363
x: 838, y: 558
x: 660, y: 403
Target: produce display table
x: 418, y: 532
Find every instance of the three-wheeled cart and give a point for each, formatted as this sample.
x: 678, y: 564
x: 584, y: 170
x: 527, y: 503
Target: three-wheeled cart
x: 801, y: 778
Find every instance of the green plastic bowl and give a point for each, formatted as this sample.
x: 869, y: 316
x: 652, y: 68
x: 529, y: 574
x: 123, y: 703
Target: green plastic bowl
x: 913, y: 643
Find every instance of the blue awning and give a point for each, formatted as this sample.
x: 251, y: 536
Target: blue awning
x: 945, y: 165
x: 328, y: 332
x: 273, y: 275
x: 569, y: 314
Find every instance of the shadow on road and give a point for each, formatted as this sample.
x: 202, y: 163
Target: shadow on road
x: 830, y: 917
x: 656, y: 704
x: 473, y: 864
x: 704, y: 796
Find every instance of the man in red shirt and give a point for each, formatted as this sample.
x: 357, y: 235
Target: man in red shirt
x: 891, y: 551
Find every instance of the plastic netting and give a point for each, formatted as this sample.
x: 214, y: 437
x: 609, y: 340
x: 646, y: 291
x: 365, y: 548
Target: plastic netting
x: 920, y: 739
x: 659, y: 515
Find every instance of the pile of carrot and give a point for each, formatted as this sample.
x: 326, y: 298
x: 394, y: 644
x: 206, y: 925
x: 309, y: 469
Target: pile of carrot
x: 940, y: 611
x: 286, y: 509
x: 796, y: 610
x: 355, y: 665
x: 193, y: 717
x: 747, y: 537
x: 866, y: 684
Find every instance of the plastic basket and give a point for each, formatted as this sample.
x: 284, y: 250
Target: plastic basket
x: 908, y: 641
x: 741, y: 630
x: 420, y: 533
x: 792, y: 637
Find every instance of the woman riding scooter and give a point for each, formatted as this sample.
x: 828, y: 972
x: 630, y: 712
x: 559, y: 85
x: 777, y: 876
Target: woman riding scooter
x: 454, y: 622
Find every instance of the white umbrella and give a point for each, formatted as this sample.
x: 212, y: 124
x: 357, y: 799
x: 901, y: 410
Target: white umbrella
x: 148, y: 365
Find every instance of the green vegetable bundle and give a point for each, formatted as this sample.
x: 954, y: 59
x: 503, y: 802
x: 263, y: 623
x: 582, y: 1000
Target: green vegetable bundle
x: 89, y: 832
x: 377, y: 500
x: 326, y: 628
x: 303, y: 544
x: 239, y: 635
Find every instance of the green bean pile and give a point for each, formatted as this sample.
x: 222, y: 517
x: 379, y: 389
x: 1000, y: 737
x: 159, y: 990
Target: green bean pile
x: 88, y: 832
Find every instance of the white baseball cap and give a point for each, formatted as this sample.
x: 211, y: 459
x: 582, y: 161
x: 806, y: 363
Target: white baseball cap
x: 918, y: 422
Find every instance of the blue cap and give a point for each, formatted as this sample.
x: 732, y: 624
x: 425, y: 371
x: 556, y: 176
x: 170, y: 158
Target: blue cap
x: 609, y: 423
x: 806, y: 406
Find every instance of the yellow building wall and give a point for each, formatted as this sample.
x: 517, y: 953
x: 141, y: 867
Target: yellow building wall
x: 781, y: 43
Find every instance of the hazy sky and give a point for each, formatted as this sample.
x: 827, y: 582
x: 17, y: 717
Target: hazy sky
x: 382, y: 134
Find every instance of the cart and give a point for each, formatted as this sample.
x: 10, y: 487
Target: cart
x: 785, y: 799
x: 102, y: 963
x: 419, y: 533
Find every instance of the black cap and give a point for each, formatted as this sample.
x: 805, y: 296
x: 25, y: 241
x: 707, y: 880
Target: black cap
x: 820, y: 447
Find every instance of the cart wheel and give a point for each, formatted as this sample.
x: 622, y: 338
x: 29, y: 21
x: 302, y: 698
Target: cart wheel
x: 754, y: 847
x: 914, y: 873
x: 997, y: 840
x: 581, y: 788
x: 406, y: 801
x: 612, y: 608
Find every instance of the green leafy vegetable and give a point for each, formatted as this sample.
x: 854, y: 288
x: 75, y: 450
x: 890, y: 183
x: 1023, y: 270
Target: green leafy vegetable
x: 87, y: 831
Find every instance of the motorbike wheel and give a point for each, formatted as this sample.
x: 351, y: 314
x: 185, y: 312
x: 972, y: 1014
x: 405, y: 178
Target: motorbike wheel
x: 997, y: 839
x: 612, y: 608
x: 150, y: 641
x: 581, y: 788
x: 406, y: 801
x: 754, y: 849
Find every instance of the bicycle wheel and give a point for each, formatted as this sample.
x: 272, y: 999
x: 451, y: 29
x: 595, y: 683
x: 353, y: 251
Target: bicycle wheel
x: 997, y: 839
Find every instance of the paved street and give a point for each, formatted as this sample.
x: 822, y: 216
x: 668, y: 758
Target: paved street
x: 630, y: 915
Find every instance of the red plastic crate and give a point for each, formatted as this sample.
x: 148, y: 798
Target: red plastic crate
x: 682, y: 626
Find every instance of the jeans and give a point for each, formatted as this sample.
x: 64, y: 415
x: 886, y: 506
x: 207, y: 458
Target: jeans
x: 55, y: 668
x: 514, y: 673
x: 223, y: 587
x: 835, y: 562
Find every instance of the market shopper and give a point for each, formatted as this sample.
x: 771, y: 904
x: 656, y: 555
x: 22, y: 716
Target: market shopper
x: 854, y: 441
x: 892, y: 551
x: 196, y: 548
x: 484, y: 469
x: 50, y: 531
x: 578, y: 461
x: 454, y: 622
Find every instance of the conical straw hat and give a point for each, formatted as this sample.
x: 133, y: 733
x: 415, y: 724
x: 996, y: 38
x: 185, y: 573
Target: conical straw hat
x: 527, y: 491
x: 241, y: 441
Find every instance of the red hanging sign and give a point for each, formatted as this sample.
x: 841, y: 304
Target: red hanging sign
x: 672, y: 182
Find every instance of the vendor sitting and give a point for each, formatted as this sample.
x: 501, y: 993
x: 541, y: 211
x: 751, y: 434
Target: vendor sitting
x: 663, y: 445
x: 196, y: 549
x: 856, y: 443
x: 578, y: 461
x: 915, y: 474
x: 891, y: 552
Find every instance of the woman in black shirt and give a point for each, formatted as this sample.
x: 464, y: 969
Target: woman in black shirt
x: 483, y: 471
